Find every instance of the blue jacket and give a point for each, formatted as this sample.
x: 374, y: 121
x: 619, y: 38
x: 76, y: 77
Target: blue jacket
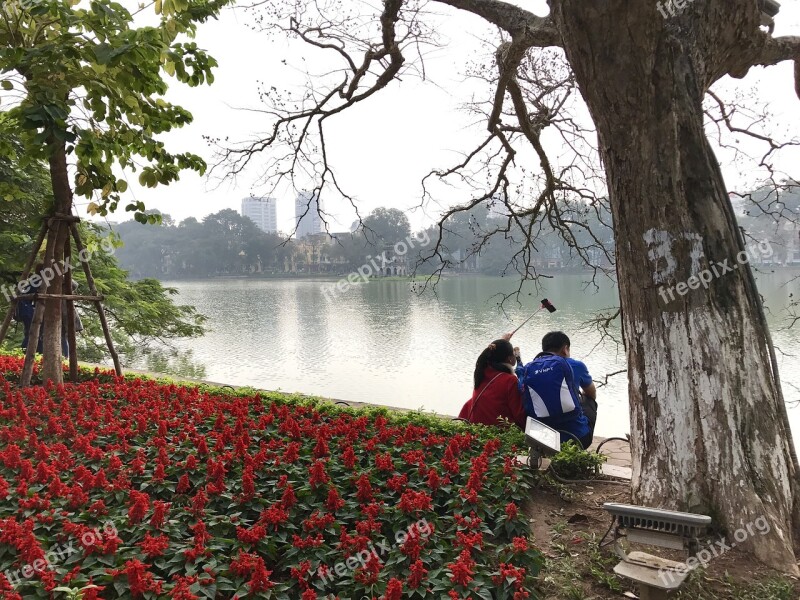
x: 550, y: 394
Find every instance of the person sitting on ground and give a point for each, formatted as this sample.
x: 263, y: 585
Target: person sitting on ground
x: 496, y: 393
x: 558, y: 390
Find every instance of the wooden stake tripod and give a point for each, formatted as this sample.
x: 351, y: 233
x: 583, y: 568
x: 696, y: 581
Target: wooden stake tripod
x: 54, y: 223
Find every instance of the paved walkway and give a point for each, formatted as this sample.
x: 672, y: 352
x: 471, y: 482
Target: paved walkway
x: 619, y: 457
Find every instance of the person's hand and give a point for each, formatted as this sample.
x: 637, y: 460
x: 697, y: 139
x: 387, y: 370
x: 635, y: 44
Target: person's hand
x: 507, y: 336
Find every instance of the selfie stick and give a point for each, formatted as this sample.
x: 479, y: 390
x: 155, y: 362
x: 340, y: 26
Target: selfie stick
x: 545, y: 304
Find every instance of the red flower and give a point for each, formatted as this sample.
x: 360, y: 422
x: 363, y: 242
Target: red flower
x: 199, y: 502
x: 383, y: 462
x: 334, y: 501
x: 321, y: 449
x: 274, y: 515
x: 300, y: 573
x: 520, y: 544
x: 140, y: 580
x: 160, y: 509
x: 98, y: 507
x: 92, y: 591
x: 183, y: 484
x: 398, y: 482
x: 154, y: 546
x: 317, y: 473
x: 248, y: 483
x: 288, y: 498
x: 411, y: 547
x: 368, y: 575
x: 412, y: 501
x: 511, y: 510
x: 509, y: 571
x: 364, y: 493
x: 7, y: 589
x: 469, y: 540
x: 462, y: 570
x: 394, y: 589
x: 292, y: 453
x: 251, y: 536
x: 307, y: 542
x: 433, y: 480
x: 252, y: 566
x: 349, y: 457
x: 182, y: 589
x: 418, y: 573
x: 201, y: 536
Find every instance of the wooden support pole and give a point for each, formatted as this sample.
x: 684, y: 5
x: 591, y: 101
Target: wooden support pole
x: 26, y: 271
x: 93, y: 291
x: 66, y: 218
x: 36, y: 324
x: 72, y: 343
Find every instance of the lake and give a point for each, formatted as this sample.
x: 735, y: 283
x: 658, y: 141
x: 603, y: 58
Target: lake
x: 382, y: 343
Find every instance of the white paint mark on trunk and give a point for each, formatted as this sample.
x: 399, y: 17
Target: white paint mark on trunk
x: 659, y: 252
x: 696, y: 252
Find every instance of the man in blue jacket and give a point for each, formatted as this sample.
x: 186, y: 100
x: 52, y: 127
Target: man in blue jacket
x: 558, y: 390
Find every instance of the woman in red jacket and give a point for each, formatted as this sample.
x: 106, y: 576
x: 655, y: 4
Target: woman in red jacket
x: 496, y: 394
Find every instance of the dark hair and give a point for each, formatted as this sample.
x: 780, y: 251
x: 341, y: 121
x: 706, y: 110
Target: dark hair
x: 493, y: 356
x: 554, y: 341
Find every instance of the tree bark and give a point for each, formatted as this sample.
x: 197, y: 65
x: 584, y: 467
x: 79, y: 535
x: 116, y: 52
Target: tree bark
x: 707, y: 429
x: 52, y: 369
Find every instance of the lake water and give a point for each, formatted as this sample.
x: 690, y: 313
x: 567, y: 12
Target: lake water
x: 382, y: 343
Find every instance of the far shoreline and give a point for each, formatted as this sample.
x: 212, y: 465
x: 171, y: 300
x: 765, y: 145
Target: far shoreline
x: 759, y: 270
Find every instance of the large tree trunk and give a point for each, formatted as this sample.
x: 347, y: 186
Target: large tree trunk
x: 52, y: 369
x: 707, y: 429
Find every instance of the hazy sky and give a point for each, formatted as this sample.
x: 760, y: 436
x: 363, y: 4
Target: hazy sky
x: 382, y: 148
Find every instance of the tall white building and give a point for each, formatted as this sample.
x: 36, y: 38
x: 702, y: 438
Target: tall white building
x: 263, y: 211
x: 306, y: 214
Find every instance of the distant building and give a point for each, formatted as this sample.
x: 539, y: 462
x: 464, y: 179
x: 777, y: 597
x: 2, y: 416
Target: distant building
x: 263, y: 212
x: 306, y: 214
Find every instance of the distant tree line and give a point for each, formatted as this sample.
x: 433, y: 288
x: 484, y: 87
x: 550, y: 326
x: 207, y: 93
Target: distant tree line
x: 225, y: 243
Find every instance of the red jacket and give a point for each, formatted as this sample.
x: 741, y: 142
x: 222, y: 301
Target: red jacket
x: 501, y: 398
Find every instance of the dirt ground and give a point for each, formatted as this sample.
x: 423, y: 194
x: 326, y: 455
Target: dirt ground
x: 568, y: 522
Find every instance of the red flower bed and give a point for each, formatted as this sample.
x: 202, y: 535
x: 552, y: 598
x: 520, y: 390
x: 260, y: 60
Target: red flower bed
x: 129, y: 488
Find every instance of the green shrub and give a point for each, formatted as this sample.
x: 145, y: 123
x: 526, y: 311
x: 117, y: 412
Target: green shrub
x: 573, y: 462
